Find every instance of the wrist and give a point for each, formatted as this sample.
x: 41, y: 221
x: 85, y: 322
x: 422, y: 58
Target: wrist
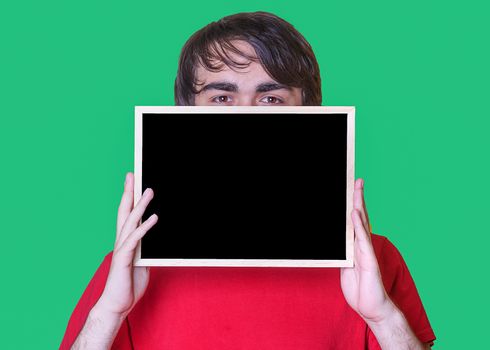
x: 99, y: 330
x: 101, y: 312
x: 392, y: 331
x: 388, y: 313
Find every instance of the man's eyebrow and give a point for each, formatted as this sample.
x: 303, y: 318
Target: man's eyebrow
x: 264, y: 87
x: 220, y: 85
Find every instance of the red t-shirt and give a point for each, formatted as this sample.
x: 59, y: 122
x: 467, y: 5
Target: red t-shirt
x: 248, y: 308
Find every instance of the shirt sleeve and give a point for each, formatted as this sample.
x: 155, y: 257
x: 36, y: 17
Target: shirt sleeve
x: 87, y: 301
x: 401, y: 288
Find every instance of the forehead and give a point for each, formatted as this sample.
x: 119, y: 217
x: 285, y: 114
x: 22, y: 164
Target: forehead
x: 251, y: 71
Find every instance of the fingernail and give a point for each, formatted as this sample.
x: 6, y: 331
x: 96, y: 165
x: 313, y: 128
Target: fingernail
x: 362, y: 183
x: 126, y: 179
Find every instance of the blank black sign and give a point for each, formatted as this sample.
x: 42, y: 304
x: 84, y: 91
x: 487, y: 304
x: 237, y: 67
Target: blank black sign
x: 245, y: 186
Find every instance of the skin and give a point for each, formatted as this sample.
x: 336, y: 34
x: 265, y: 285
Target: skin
x: 243, y: 87
x: 362, y: 285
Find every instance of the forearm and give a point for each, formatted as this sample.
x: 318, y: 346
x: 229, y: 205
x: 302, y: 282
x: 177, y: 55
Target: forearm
x: 99, y: 331
x: 394, y: 332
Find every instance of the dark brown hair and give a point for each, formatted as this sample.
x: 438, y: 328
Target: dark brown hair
x: 282, y: 51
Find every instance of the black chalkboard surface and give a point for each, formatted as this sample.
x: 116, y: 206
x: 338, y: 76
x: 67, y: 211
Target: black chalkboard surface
x: 246, y: 186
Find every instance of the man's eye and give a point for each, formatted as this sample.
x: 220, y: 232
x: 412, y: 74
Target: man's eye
x: 271, y: 100
x: 221, y: 99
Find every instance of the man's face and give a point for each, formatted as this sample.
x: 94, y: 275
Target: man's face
x: 250, y: 86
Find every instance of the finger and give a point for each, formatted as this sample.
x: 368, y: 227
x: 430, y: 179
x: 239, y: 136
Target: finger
x: 132, y: 239
x: 126, y: 204
x: 368, y: 223
x: 360, y: 203
x: 362, y: 238
x: 364, y: 254
x: 124, y: 254
x: 136, y: 214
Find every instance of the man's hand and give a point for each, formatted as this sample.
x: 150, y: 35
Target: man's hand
x: 363, y: 287
x: 125, y: 283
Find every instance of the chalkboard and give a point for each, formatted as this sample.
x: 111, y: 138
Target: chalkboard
x: 246, y: 186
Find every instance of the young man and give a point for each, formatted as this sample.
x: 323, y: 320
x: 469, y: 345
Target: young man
x: 249, y: 59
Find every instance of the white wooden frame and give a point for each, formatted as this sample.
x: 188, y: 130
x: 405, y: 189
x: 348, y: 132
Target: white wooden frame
x: 349, y: 110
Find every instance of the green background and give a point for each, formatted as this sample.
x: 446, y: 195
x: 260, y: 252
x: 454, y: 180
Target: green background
x: 72, y: 72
